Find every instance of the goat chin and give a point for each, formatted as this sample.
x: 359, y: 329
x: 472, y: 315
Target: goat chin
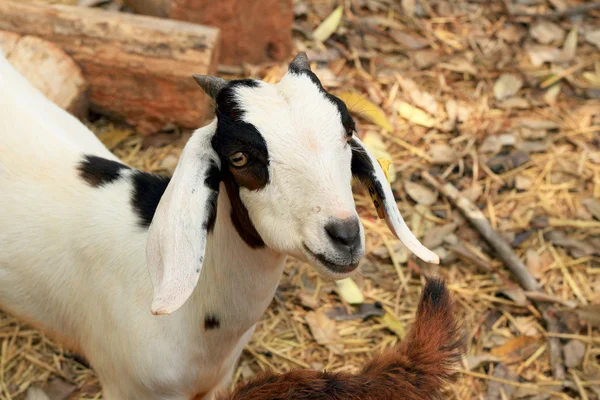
x: 418, y: 368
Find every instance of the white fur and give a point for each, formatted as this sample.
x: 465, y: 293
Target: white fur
x: 75, y: 261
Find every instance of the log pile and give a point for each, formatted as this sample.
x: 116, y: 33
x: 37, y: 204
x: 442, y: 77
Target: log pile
x: 49, y: 69
x: 138, y: 68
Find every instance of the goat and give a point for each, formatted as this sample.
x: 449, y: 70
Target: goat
x: 159, y: 281
x: 418, y: 368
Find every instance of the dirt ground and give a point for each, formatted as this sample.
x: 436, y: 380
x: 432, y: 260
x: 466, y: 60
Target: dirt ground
x: 498, y: 99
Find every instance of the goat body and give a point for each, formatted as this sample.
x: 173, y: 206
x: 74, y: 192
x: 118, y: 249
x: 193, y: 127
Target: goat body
x: 416, y: 369
x: 92, y: 248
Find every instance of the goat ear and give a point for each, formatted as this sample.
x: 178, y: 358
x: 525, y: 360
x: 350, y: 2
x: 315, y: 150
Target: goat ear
x: 211, y: 85
x: 184, y: 216
x: 366, y: 168
x: 300, y: 63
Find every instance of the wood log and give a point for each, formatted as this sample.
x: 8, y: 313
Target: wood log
x: 252, y: 31
x: 138, y: 68
x: 49, y: 69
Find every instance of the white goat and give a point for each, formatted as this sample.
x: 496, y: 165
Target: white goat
x: 79, y: 231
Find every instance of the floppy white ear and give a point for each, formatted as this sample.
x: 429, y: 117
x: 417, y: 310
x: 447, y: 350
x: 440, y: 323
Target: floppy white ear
x: 366, y: 168
x: 178, y: 232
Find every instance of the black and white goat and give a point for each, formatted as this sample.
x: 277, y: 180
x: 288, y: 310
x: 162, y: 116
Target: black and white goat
x: 92, y: 250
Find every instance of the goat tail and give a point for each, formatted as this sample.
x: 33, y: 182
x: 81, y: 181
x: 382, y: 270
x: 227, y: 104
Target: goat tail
x: 416, y: 369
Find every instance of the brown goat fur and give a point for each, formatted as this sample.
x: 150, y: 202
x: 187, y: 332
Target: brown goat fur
x: 416, y: 369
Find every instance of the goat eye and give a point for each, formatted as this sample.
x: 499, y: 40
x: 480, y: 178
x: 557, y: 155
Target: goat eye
x: 238, y: 159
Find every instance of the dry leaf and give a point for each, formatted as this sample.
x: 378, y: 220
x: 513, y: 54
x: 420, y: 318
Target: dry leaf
x: 435, y: 237
x: 475, y: 361
x: 507, y: 86
x: 393, y: 324
x: 516, y: 294
x: 552, y: 93
x: 419, y: 193
x: 34, y: 393
x: 408, y: 7
x: 400, y: 252
x: 349, y: 291
x: 590, y: 314
x: 593, y: 206
x: 409, y: 40
x: 358, y: 104
x: 517, y: 349
x: 569, y: 48
x: 329, y: 25
x: 57, y: 389
x: 324, y: 331
x: 574, y: 352
x: 425, y: 58
x: 577, y: 248
x: 547, y: 32
x: 502, y: 391
x: 308, y: 300
x: 365, y: 310
x: 442, y: 154
x: 420, y: 98
x: 378, y: 148
x: 414, y: 114
x: 593, y: 37
x: 542, y: 54
x: 593, y: 78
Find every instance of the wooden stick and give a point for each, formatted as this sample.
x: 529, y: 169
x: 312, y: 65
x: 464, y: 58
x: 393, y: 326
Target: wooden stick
x: 510, y: 259
x: 138, y: 68
x: 478, y: 220
x: 580, y: 9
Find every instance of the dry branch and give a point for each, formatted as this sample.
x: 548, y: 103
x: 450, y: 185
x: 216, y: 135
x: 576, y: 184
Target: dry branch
x: 138, y: 68
x: 49, y: 69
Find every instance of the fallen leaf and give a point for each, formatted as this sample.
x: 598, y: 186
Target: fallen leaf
x: 34, y: 393
x: 413, y: 42
x: 593, y: 37
x: 574, y: 352
x: 400, y: 252
x: 538, y: 124
x: 360, y: 105
x: 349, y: 291
x: 419, y: 193
x: 493, y: 144
x: 593, y: 206
x: 569, y: 49
x: 526, y: 326
x: 378, y: 148
x: 523, y: 183
x: 577, y: 248
x: 324, y: 331
x: 515, y: 294
x: 365, y: 310
x: 308, y: 300
x: 552, y: 93
x: 504, y: 163
x: 475, y: 361
x: 593, y: 78
x: 425, y: 58
x: 547, y: 32
x: 435, y: 237
x: 442, y: 154
x: 542, y: 54
x: 507, y: 86
x: 419, y: 97
x: 517, y: 349
x: 329, y: 25
x: 501, y: 391
x: 408, y: 7
x: 414, y: 114
x: 393, y: 324
x: 533, y: 146
x: 590, y: 314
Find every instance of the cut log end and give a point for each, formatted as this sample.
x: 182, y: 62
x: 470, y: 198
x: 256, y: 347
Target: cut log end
x: 49, y: 69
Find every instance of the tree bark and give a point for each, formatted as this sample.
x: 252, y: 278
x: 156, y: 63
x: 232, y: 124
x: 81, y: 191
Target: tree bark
x: 252, y: 31
x: 138, y: 68
x: 47, y: 68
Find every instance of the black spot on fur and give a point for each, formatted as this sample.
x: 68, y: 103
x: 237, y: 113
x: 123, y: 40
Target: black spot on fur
x: 212, y: 181
x: 347, y: 120
x: 98, y: 171
x: 147, y: 191
x: 211, y: 322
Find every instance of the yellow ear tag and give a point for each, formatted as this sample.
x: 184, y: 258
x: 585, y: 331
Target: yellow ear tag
x: 385, y: 165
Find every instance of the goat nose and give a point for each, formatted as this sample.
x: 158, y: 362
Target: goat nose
x: 344, y: 232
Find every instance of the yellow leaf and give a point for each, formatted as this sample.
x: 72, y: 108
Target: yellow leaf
x: 358, y: 104
x: 415, y: 115
x: 378, y: 148
x: 393, y: 324
x: 349, y: 291
x: 324, y: 331
x: 329, y: 25
x: 385, y: 166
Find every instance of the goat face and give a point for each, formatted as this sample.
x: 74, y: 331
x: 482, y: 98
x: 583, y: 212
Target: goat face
x: 286, y: 154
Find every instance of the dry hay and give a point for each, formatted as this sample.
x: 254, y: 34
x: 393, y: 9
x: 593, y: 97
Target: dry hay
x: 453, y: 88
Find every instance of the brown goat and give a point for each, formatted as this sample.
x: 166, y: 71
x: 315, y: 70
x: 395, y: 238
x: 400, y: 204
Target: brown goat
x: 416, y: 369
